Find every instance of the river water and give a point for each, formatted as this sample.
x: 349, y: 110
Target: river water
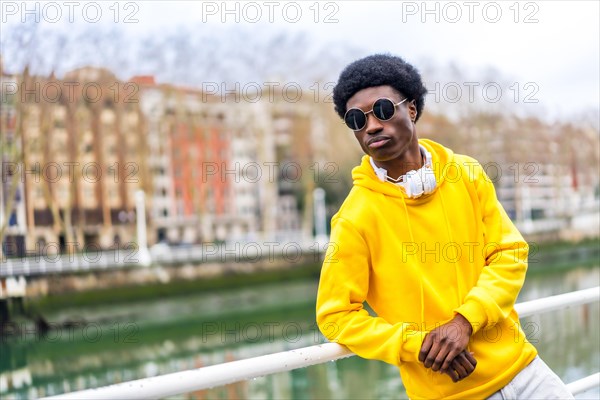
x: 121, y: 343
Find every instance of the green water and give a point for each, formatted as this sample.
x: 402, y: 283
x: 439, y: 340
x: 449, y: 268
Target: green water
x: 136, y: 340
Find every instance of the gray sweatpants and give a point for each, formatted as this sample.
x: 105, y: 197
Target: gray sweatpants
x: 535, y: 381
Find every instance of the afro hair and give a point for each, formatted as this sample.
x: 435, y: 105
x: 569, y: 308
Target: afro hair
x: 379, y: 70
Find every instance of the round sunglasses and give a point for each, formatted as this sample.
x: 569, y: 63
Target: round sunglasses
x: 383, y: 109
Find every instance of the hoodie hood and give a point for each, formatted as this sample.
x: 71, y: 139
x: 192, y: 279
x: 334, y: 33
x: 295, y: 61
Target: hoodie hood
x: 363, y: 175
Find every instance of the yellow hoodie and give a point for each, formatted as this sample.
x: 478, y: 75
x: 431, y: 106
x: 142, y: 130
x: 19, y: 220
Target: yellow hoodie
x: 418, y: 262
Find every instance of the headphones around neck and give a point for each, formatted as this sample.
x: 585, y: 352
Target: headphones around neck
x: 420, y: 182
x: 415, y: 183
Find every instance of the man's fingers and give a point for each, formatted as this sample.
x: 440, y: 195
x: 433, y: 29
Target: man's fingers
x: 452, y: 374
x: 460, y: 369
x: 464, y: 364
x: 441, y: 358
x: 470, y: 358
x: 450, y: 358
x: 425, y: 347
x: 464, y: 361
x: 432, y: 355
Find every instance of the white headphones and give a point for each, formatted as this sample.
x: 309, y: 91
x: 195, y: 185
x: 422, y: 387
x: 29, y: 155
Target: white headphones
x: 415, y: 183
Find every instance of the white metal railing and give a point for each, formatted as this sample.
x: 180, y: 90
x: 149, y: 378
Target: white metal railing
x: 584, y: 384
x: 235, y: 371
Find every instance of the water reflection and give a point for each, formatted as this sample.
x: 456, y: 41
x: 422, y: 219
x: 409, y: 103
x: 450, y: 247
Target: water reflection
x: 179, y: 334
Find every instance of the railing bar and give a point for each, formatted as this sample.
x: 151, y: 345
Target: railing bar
x: 558, y: 302
x: 214, y: 375
x: 584, y: 384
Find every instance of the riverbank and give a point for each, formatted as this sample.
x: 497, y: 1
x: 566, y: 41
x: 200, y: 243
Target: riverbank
x: 172, y: 288
x: 122, y: 287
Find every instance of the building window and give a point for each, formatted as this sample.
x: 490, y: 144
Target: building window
x: 40, y: 244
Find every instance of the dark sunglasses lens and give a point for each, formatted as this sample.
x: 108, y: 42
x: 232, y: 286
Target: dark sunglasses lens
x: 384, y: 109
x: 355, y: 119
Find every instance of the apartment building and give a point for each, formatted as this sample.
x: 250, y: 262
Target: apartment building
x: 83, y: 156
x: 190, y: 151
x: 13, y: 226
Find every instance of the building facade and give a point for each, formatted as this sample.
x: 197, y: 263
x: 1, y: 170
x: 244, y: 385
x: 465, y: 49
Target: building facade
x: 13, y: 223
x: 83, y: 155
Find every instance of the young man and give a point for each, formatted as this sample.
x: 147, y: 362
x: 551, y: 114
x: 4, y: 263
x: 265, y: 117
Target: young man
x: 422, y: 238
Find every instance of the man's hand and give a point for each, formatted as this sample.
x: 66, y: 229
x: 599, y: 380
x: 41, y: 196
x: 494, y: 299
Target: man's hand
x: 444, y: 349
x: 462, y: 366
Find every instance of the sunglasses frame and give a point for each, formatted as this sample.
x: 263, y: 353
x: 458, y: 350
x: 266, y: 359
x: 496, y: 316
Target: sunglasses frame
x: 366, y: 114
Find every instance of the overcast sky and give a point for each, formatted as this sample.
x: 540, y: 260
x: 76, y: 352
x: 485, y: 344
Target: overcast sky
x: 552, y: 45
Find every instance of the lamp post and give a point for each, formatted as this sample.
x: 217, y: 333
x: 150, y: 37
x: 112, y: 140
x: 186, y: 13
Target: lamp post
x: 140, y: 206
x: 320, y: 216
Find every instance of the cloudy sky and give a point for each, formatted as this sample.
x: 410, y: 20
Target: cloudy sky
x: 549, y: 50
x: 552, y: 44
